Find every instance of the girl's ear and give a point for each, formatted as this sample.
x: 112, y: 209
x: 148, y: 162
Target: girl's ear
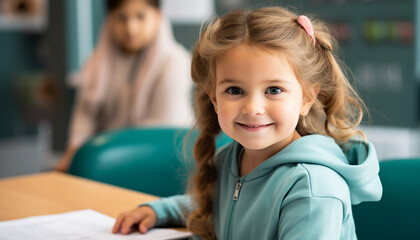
x: 213, y: 101
x: 309, y: 99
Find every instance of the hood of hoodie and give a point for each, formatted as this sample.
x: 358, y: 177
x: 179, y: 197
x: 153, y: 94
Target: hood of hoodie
x: 358, y: 164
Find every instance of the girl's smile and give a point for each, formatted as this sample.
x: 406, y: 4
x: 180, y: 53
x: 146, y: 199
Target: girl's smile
x: 254, y: 127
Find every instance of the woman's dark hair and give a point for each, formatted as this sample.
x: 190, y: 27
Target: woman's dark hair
x: 111, y: 5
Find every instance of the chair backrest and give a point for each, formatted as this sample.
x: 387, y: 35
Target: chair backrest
x: 148, y: 160
x: 396, y: 215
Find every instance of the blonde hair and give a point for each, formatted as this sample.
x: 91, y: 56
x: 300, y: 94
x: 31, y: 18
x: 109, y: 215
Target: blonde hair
x: 337, y: 110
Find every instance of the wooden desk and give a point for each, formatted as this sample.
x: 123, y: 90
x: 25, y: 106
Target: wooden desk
x: 53, y: 192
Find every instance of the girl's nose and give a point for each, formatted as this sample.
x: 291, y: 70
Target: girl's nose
x: 253, y: 105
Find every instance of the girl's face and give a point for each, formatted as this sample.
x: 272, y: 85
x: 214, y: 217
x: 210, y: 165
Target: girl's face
x: 134, y: 25
x: 258, y: 98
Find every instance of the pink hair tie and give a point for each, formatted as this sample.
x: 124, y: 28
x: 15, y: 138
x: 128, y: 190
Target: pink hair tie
x: 307, y: 25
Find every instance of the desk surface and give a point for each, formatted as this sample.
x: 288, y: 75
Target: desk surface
x: 53, y: 192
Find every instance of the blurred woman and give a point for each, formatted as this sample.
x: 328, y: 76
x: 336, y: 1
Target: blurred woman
x: 138, y: 75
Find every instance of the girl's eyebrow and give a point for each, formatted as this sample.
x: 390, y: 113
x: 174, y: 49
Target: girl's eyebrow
x: 228, y: 81
x: 274, y: 81
x: 271, y: 81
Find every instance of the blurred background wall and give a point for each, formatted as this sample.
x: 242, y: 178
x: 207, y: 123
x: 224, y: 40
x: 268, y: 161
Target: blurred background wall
x: 43, y: 43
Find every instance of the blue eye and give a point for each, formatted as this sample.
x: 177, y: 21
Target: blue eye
x: 273, y: 90
x: 234, y: 91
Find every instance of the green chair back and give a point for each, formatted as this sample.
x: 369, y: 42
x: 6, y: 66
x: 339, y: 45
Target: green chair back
x: 396, y: 215
x: 149, y: 160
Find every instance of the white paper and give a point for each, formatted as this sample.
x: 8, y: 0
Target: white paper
x: 84, y: 224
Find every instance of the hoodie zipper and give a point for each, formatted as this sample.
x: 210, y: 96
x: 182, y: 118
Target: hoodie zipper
x: 237, y: 189
x: 239, y: 183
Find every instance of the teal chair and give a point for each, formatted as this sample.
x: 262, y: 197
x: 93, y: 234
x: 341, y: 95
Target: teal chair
x: 397, y: 214
x: 149, y: 160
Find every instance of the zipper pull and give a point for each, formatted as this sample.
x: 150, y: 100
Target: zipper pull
x: 238, y: 187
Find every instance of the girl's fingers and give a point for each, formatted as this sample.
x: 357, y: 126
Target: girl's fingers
x: 117, y: 224
x: 143, y: 216
x: 130, y: 220
x: 146, y: 224
x: 126, y: 224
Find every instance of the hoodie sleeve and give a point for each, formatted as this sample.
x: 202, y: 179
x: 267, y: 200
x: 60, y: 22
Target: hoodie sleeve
x: 311, y: 218
x: 172, y: 211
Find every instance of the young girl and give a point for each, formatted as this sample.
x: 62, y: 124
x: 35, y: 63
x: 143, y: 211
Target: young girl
x: 138, y: 75
x: 269, y: 79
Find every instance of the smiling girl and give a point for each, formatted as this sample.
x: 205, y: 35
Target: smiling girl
x: 269, y: 79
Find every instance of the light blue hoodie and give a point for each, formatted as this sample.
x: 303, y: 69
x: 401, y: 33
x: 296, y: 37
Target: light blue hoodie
x: 304, y: 191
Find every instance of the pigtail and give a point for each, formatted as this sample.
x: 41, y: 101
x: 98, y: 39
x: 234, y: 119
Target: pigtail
x: 324, y: 39
x: 200, y: 221
x: 344, y: 110
x: 338, y: 109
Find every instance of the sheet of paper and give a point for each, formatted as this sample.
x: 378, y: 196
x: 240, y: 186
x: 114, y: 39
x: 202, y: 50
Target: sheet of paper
x: 84, y: 224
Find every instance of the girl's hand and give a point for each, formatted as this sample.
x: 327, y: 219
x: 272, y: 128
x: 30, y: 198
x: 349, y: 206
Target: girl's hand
x: 144, y: 216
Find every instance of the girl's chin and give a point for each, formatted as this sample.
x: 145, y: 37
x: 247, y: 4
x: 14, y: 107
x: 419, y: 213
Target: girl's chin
x: 254, y: 146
